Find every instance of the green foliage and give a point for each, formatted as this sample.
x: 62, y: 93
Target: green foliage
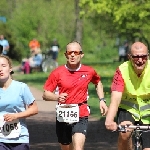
x: 44, y: 20
x: 122, y: 16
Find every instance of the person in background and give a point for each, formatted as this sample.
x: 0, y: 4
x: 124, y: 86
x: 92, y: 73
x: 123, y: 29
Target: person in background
x: 35, y: 60
x: 5, y: 44
x: 123, y: 51
x: 34, y: 45
x: 130, y: 97
x: 54, y: 50
x: 72, y: 81
x: 16, y: 104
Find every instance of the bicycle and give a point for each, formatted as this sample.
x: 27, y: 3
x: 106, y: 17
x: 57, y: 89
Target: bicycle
x: 48, y: 63
x: 137, y: 131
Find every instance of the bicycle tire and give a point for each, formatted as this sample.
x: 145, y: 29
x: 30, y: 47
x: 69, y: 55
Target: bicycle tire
x: 48, y: 65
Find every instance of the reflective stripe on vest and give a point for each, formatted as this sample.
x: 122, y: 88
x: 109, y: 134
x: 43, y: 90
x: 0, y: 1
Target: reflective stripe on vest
x: 136, y: 116
x: 142, y: 108
x: 132, y: 105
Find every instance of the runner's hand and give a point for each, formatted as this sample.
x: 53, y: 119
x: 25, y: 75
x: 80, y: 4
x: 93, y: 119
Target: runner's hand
x: 62, y: 97
x: 10, y: 117
x: 103, y: 108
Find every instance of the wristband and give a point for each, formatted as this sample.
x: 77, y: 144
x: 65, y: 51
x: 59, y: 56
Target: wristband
x: 102, y: 99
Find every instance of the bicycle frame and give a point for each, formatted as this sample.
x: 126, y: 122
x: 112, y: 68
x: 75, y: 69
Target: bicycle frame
x: 137, y: 131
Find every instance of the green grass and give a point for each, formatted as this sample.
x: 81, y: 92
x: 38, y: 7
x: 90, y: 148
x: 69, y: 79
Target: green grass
x: 105, y: 70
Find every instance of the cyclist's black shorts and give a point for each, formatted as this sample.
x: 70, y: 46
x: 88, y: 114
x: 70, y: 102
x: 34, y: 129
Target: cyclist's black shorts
x: 65, y: 131
x: 124, y: 115
x: 54, y: 55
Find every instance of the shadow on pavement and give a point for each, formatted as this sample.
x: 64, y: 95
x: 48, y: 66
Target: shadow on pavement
x: 43, y: 137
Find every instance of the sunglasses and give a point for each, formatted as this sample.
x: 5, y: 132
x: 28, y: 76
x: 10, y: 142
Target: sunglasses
x: 144, y: 57
x: 75, y: 52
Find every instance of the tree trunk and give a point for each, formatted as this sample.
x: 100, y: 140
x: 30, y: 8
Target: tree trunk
x: 78, y: 23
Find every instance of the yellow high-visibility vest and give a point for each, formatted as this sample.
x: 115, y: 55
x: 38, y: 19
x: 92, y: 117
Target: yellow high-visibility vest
x: 136, y: 95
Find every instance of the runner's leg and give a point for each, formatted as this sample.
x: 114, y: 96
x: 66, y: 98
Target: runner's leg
x: 63, y: 131
x: 3, y: 146
x: 20, y: 146
x: 79, y: 131
x: 78, y: 140
x: 66, y: 147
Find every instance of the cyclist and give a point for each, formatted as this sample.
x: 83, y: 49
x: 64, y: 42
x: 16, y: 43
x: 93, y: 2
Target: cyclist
x: 72, y: 80
x: 16, y: 104
x: 131, y: 95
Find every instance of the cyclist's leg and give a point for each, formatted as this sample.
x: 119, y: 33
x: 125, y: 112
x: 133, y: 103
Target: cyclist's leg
x: 124, y: 140
x: 54, y: 57
x: 63, y: 131
x: 145, y: 140
x: 79, y: 131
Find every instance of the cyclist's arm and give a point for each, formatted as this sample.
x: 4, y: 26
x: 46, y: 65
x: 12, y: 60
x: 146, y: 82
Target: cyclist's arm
x: 117, y: 89
x: 113, y: 107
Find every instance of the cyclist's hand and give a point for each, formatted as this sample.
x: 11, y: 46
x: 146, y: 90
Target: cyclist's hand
x: 103, y: 108
x: 111, y: 125
x: 62, y: 97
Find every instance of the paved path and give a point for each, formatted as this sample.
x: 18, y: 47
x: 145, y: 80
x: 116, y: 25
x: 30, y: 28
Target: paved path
x: 42, y: 129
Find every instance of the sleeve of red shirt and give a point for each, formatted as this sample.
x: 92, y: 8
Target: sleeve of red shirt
x: 95, y: 78
x: 51, y: 83
x: 118, y: 82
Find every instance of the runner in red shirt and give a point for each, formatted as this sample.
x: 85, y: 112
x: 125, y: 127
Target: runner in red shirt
x: 72, y: 81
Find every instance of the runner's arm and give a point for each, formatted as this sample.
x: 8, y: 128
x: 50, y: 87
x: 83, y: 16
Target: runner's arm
x: 31, y: 110
x: 50, y: 96
x: 100, y: 93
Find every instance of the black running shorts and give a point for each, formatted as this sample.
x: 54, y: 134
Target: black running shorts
x: 65, y: 131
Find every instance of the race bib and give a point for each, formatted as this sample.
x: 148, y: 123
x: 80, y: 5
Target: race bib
x: 67, y: 113
x: 10, y: 129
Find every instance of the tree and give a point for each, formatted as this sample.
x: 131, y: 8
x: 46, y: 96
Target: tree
x: 78, y: 23
x: 130, y: 18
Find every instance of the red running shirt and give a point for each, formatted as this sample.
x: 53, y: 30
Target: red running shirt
x: 74, y: 83
x: 118, y: 82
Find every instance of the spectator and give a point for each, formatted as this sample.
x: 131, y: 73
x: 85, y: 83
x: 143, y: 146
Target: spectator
x: 5, y: 45
x: 34, y: 44
x: 54, y: 49
x: 123, y: 51
x: 35, y: 59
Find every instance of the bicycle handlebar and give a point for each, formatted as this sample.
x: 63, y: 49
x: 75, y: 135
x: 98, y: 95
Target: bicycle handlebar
x: 124, y: 128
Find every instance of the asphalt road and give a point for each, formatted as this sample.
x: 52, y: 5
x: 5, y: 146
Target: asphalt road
x: 42, y: 129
